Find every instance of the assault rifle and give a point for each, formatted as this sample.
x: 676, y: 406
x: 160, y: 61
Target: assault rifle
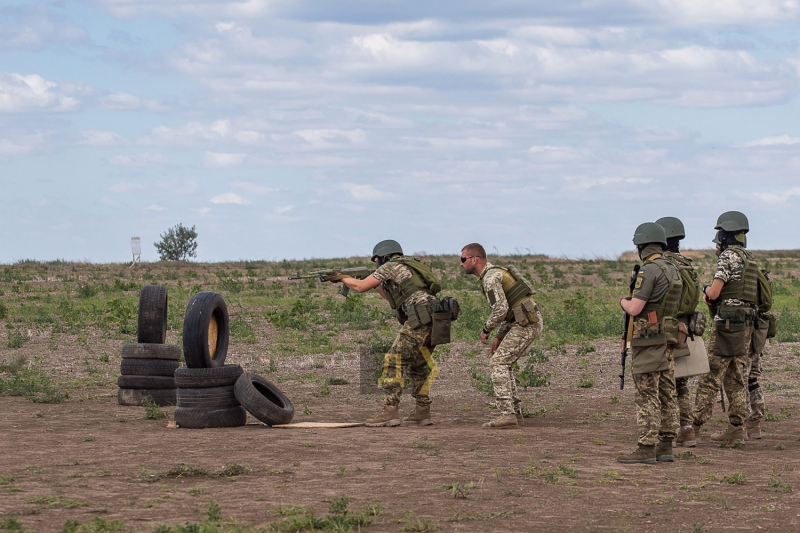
x: 357, y: 272
x: 627, y: 325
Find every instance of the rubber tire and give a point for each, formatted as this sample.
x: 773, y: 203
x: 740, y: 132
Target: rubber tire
x: 145, y: 382
x: 208, y: 397
x: 213, y: 417
x: 221, y: 376
x: 263, y: 399
x: 152, y: 322
x: 160, y: 397
x: 170, y: 352
x: 148, y: 367
x: 204, y: 309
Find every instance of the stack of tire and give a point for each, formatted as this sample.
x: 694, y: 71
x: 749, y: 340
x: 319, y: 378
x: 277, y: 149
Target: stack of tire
x: 212, y: 394
x: 148, y: 366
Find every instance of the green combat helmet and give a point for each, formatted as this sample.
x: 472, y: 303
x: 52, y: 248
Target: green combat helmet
x: 733, y: 221
x: 387, y: 247
x: 649, y: 232
x: 673, y: 227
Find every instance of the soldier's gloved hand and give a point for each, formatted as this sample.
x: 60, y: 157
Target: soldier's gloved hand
x: 335, y: 277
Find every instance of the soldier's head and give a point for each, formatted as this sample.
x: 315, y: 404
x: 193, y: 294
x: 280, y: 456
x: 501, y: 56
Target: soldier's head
x: 473, y: 258
x: 673, y: 228
x: 385, y: 250
x: 732, y: 226
x: 647, y: 234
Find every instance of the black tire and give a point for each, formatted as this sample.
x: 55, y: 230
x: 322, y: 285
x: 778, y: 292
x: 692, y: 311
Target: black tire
x: 148, y: 367
x: 263, y: 400
x: 208, y: 397
x: 213, y: 417
x: 205, y: 331
x: 170, y: 352
x: 152, y: 325
x: 221, y: 376
x: 145, y: 382
x: 161, y: 397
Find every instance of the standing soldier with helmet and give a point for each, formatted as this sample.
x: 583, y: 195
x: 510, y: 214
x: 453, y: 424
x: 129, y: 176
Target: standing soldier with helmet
x: 674, y: 231
x: 731, y: 299
x: 409, y: 286
x: 653, y: 308
x: 519, y: 321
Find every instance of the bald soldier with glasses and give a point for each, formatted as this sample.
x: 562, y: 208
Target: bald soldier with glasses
x: 518, y: 321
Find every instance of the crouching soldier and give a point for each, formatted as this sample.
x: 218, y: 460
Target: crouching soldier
x: 653, y: 307
x: 519, y: 321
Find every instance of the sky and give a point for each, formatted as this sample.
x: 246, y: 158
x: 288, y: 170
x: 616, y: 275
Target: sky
x: 291, y: 130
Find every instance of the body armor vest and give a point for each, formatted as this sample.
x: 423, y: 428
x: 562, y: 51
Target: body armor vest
x: 422, y: 279
x: 746, y: 288
x: 667, y: 308
x: 517, y: 291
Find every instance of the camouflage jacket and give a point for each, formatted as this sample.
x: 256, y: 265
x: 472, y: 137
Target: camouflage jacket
x: 730, y: 267
x: 395, y: 273
x: 492, y: 279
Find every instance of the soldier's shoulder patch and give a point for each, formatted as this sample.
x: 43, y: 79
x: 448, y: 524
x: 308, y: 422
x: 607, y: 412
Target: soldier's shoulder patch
x: 639, y: 281
x: 492, y: 297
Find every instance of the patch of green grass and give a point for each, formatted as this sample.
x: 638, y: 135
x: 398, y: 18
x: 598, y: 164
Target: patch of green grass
x: 336, y: 381
x: 586, y: 383
x: 481, y: 380
x: 777, y: 485
x: 10, y: 524
x: 57, y: 502
x: 152, y: 411
x: 458, y: 490
x: 339, y: 518
x: 98, y: 525
x: 185, y: 471
x: 552, y: 475
x: 242, y: 332
x: 32, y: 383
x: 418, y: 524
x: 735, y: 479
x: 16, y: 339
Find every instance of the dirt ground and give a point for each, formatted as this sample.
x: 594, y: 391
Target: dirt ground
x: 90, y: 457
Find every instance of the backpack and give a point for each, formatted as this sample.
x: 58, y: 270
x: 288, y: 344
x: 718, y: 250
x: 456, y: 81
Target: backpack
x: 690, y: 295
x: 764, y: 291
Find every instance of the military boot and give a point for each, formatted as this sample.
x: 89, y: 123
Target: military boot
x: 729, y: 435
x: 421, y: 416
x: 388, y: 417
x: 664, y: 451
x: 508, y: 421
x: 753, y: 428
x: 686, y: 437
x: 696, y: 430
x: 642, y: 454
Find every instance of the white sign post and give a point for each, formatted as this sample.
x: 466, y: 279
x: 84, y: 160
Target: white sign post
x: 136, y: 249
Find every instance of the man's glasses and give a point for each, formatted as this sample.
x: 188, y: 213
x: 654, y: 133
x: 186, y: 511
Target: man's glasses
x: 464, y: 259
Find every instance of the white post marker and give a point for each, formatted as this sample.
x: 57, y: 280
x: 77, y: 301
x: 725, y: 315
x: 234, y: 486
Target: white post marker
x: 136, y: 250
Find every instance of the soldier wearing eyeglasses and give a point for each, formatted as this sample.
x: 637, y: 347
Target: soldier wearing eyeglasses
x: 518, y: 322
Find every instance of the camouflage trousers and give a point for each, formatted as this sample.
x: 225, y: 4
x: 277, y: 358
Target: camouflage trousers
x: 410, y: 355
x: 515, y: 343
x: 728, y: 372
x: 656, y: 405
x: 755, y: 394
x: 684, y: 401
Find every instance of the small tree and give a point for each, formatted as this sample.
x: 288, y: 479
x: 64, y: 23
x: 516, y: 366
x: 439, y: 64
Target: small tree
x: 177, y: 244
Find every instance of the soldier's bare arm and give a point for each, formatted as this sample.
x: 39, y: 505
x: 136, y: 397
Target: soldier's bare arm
x: 361, y: 285
x: 633, y: 306
x: 713, y: 290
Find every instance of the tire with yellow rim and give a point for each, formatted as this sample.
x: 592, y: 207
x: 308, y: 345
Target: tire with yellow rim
x: 206, y: 330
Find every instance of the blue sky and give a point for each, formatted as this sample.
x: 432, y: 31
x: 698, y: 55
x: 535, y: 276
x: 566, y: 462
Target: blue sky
x: 315, y: 129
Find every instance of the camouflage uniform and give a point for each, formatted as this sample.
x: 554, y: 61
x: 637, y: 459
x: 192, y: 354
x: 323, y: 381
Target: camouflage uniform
x: 726, y: 369
x: 755, y: 394
x: 515, y: 341
x: 655, y: 397
x: 411, y: 351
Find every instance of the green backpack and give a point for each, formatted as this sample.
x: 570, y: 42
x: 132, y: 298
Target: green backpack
x: 691, y: 283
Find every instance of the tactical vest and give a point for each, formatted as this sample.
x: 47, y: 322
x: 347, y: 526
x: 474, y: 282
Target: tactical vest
x: 517, y: 290
x: 690, y: 294
x: 746, y: 288
x: 667, y: 308
x: 422, y: 279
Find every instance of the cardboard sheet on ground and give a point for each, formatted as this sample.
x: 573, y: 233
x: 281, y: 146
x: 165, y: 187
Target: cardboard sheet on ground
x: 313, y: 425
x: 694, y: 364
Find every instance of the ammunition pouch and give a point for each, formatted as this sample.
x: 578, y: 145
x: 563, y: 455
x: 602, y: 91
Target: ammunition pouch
x: 731, y: 325
x: 697, y: 323
x: 671, y: 328
x: 772, y: 324
x: 418, y: 315
x: 682, y: 335
x: 440, y: 331
x: 525, y: 313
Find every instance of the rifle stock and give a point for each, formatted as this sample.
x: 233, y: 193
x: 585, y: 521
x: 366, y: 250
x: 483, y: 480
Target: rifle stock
x: 627, y: 325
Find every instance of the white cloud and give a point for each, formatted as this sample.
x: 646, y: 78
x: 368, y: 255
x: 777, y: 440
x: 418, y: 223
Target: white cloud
x: 203, y: 210
x: 102, y: 138
x: 252, y: 188
x: 193, y: 8
x: 155, y: 207
x: 189, y: 134
x: 283, y: 209
x: 123, y: 101
x: 778, y: 198
x: 323, y: 138
x: 780, y: 140
x: 145, y: 159
x: 229, y: 198
x: 32, y: 29
x: 22, y: 144
x: 222, y: 159
x: 722, y: 12
x: 366, y: 193
x: 590, y: 183
x: 19, y: 93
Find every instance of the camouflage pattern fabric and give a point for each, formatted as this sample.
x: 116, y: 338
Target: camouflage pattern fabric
x: 515, y: 343
x: 492, y: 279
x: 730, y: 267
x: 411, y: 355
x: 755, y: 394
x: 656, y: 405
x: 729, y: 372
x: 395, y: 273
x: 685, y: 407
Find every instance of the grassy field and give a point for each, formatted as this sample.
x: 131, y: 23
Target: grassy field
x: 62, y: 323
